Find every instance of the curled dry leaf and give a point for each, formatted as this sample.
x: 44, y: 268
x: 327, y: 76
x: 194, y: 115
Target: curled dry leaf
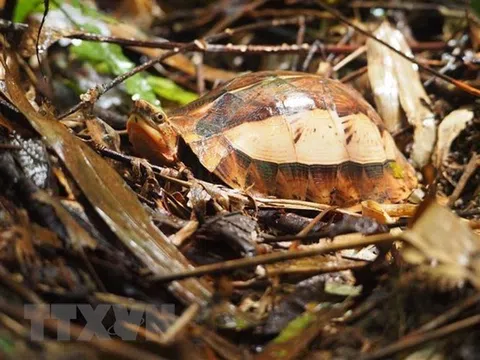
x: 222, y: 197
x: 385, y: 213
x: 443, y: 245
x: 226, y: 198
x: 395, y: 81
x: 448, y: 130
x: 238, y: 230
x: 103, y: 134
x: 373, y: 210
x: 198, y: 198
x: 279, y: 203
x: 382, y: 76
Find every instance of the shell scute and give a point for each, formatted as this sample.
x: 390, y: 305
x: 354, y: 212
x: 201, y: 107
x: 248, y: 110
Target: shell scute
x: 295, y: 135
x: 291, y: 181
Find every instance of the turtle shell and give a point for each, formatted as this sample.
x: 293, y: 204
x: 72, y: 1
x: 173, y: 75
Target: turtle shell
x: 295, y: 135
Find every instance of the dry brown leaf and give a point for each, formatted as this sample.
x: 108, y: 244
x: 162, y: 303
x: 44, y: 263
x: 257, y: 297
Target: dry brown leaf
x: 373, y: 210
x: 226, y: 198
x: 448, y: 130
x: 395, y: 81
x: 198, y: 198
x: 103, y: 134
x: 382, y: 76
x: 104, y: 188
x: 300, y: 205
x: 390, y: 210
x: 443, y: 245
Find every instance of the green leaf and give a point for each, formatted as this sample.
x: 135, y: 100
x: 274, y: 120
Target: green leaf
x: 167, y: 89
x: 142, y: 86
x: 139, y: 87
x: 109, y: 54
x: 110, y: 59
x: 295, y: 327
x: 25, y: 8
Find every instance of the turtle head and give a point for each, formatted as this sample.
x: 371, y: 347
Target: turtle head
x: 151, y: 135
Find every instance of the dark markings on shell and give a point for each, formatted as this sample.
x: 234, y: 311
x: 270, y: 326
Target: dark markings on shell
x: 255, y: 98
x: 298, y: 135
x: 222, y: 107
x: 261, y: 96
x: 349, y: 138
x: 234, y: 166
x: 352, y: 170
x: 374, y: 171
x: 291, y: 180
x: 256, y: 103
x: 263, y: 174
x: 288, y: 180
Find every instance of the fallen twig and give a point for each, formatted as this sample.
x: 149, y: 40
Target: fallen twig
x: 275, y: 257
x: 469, y: 170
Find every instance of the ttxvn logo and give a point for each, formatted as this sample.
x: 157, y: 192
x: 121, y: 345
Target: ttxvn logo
x: 104, y: 321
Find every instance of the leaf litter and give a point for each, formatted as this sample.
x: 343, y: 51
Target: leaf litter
x: 83, y: 221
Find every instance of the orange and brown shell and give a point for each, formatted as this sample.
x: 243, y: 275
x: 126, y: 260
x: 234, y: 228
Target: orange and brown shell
x: 295, y: 135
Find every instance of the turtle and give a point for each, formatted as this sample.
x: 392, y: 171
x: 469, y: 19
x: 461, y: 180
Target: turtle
x: 288, y: 134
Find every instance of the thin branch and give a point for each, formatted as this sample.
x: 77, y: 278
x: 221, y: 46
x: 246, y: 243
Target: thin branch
x: 467, y: 173
x: 275, y: 257
x: 161, y: 43
x: 279, y: 13
x: 447, y: 315
x: 232, y: 17
x: 300, y: 40
x: 406, y: 5
x: 230, y: 48
x: 95, y: 93
x: 102, y: 89
x: 460, y: 84
x: 409, y: 343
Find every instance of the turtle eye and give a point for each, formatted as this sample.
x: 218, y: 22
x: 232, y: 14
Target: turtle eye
x: 159, y: 117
